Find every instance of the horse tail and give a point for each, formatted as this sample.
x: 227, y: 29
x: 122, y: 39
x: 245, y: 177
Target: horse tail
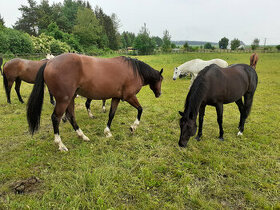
x: 35, y: 101
x: 1, y: 62
x: 253, y: 60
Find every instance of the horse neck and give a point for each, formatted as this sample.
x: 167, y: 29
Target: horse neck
x: 195, y: 97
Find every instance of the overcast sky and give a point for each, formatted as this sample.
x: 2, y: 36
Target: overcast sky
x: 195, y: 20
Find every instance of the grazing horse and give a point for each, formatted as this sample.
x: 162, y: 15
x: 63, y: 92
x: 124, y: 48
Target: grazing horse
x: 253, y: 60
x: 195, y: 66
x: 216, y: 86
x: 66, y: 75
x: 17, y: 70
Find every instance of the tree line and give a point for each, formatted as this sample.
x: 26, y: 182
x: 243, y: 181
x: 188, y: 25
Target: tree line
x: 75, y: 26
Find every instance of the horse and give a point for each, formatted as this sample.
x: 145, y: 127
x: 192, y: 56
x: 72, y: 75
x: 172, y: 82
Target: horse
x: 216, y: 86
x: 253, y: 60
x: 67, y: 75
x: 195, y: 66
x: 1, y: 62
x: 17, y: 70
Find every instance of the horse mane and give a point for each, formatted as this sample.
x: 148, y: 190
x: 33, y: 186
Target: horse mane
x: 196, y: 93
x: 146, y: 72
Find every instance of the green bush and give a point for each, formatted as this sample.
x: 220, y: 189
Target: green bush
x: 48, y: 44
x: 14, y: 41
x: 278, y: 47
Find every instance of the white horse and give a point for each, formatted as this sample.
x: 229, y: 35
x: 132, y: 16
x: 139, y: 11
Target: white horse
x: 195, y: 66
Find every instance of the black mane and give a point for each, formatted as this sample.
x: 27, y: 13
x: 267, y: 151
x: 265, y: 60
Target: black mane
x: 146, y: 72
x: 196, y: 93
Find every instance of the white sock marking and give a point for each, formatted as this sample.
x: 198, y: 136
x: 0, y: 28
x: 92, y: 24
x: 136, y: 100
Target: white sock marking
x: 58, y: 141
x: 239, y: 133
x: 82, y: 135
x: 107, y: 132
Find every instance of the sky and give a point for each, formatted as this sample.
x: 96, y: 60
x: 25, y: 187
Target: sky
x: 193, y: 20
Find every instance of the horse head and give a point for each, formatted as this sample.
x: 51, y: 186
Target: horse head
x: 188, y: 128
x: 177, y: 73
x: 156, y: 85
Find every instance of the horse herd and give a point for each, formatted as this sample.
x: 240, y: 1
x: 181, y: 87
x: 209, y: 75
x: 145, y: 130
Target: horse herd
x: 121, y: 78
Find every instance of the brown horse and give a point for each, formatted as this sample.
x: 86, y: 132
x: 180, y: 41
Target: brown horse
x: 216, y: 86
x: 119, y: 78
x: 1, y: 62
x: 253, y: 60
x: 17, y: 70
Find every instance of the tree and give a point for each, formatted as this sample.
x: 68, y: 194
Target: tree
x: 166, y: 45
x: 87, y: 28
x: 157, y: 40
x: 234, y: 44
x: 109, y: 28
x: 127, y: 39
x: 208, y: 46
x: 143, y: 42
x: 2, y: 22
x: 255, y: 44
x: 278, y: 47
x: 223, y: 43
x: 186, y: 46
x: 29, y: 18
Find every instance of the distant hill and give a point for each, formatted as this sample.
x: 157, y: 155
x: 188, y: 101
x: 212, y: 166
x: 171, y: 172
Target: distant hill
x: 192, y: 43
x: 198, y: 43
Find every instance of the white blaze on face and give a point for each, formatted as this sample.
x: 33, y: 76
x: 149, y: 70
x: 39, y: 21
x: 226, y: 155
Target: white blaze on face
x: 176, y: 73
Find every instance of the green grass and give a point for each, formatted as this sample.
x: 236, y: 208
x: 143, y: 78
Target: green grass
x: 147, y: 170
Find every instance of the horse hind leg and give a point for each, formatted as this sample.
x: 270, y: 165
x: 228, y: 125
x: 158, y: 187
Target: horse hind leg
x: 248, y: 101
x: 70, y: 114
x: 103, y: 106
x: 134, y: 102
x: 87, y: 104
x: 242, y: 115
x: 114, y: 106
x: 17, y: 88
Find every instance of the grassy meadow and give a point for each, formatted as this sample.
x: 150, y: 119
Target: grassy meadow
x: 147, y: 170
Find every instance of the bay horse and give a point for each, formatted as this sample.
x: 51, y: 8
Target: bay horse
x: 194, y: 66
x: 119, y: 78
x: 216, y: 86
x: 17, y: 70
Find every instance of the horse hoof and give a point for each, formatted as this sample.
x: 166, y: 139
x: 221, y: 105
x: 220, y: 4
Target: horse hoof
x: 63, y: 148
x: 104, y: 109
x: 239, y: 133
x: 85, y: 138
x: 221, y: 138
x: 198, y: 138
x: 132, y: 129
x: 107, y: 132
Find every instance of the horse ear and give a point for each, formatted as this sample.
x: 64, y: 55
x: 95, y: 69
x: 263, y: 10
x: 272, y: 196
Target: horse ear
x: 161, y: 71
x: 181, y: 113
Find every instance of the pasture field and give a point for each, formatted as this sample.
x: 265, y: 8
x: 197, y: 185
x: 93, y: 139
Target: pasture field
x: 147, y: 170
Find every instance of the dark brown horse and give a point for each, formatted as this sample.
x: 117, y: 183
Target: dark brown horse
x: 17, y: 70
x: 216, y: 86
x: 1, y: 62
x: 119, y: 78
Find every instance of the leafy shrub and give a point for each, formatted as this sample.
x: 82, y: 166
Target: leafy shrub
x: 14, y: 41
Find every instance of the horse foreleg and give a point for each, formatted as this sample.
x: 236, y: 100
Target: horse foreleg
x: 192, y: 79
x: 103, y: 105
x: 70, y: 114
x: 114, y: 106
x: 134, y: 102
x: 201, y: 116
x: 88, y: 107
x: 219, y: 110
